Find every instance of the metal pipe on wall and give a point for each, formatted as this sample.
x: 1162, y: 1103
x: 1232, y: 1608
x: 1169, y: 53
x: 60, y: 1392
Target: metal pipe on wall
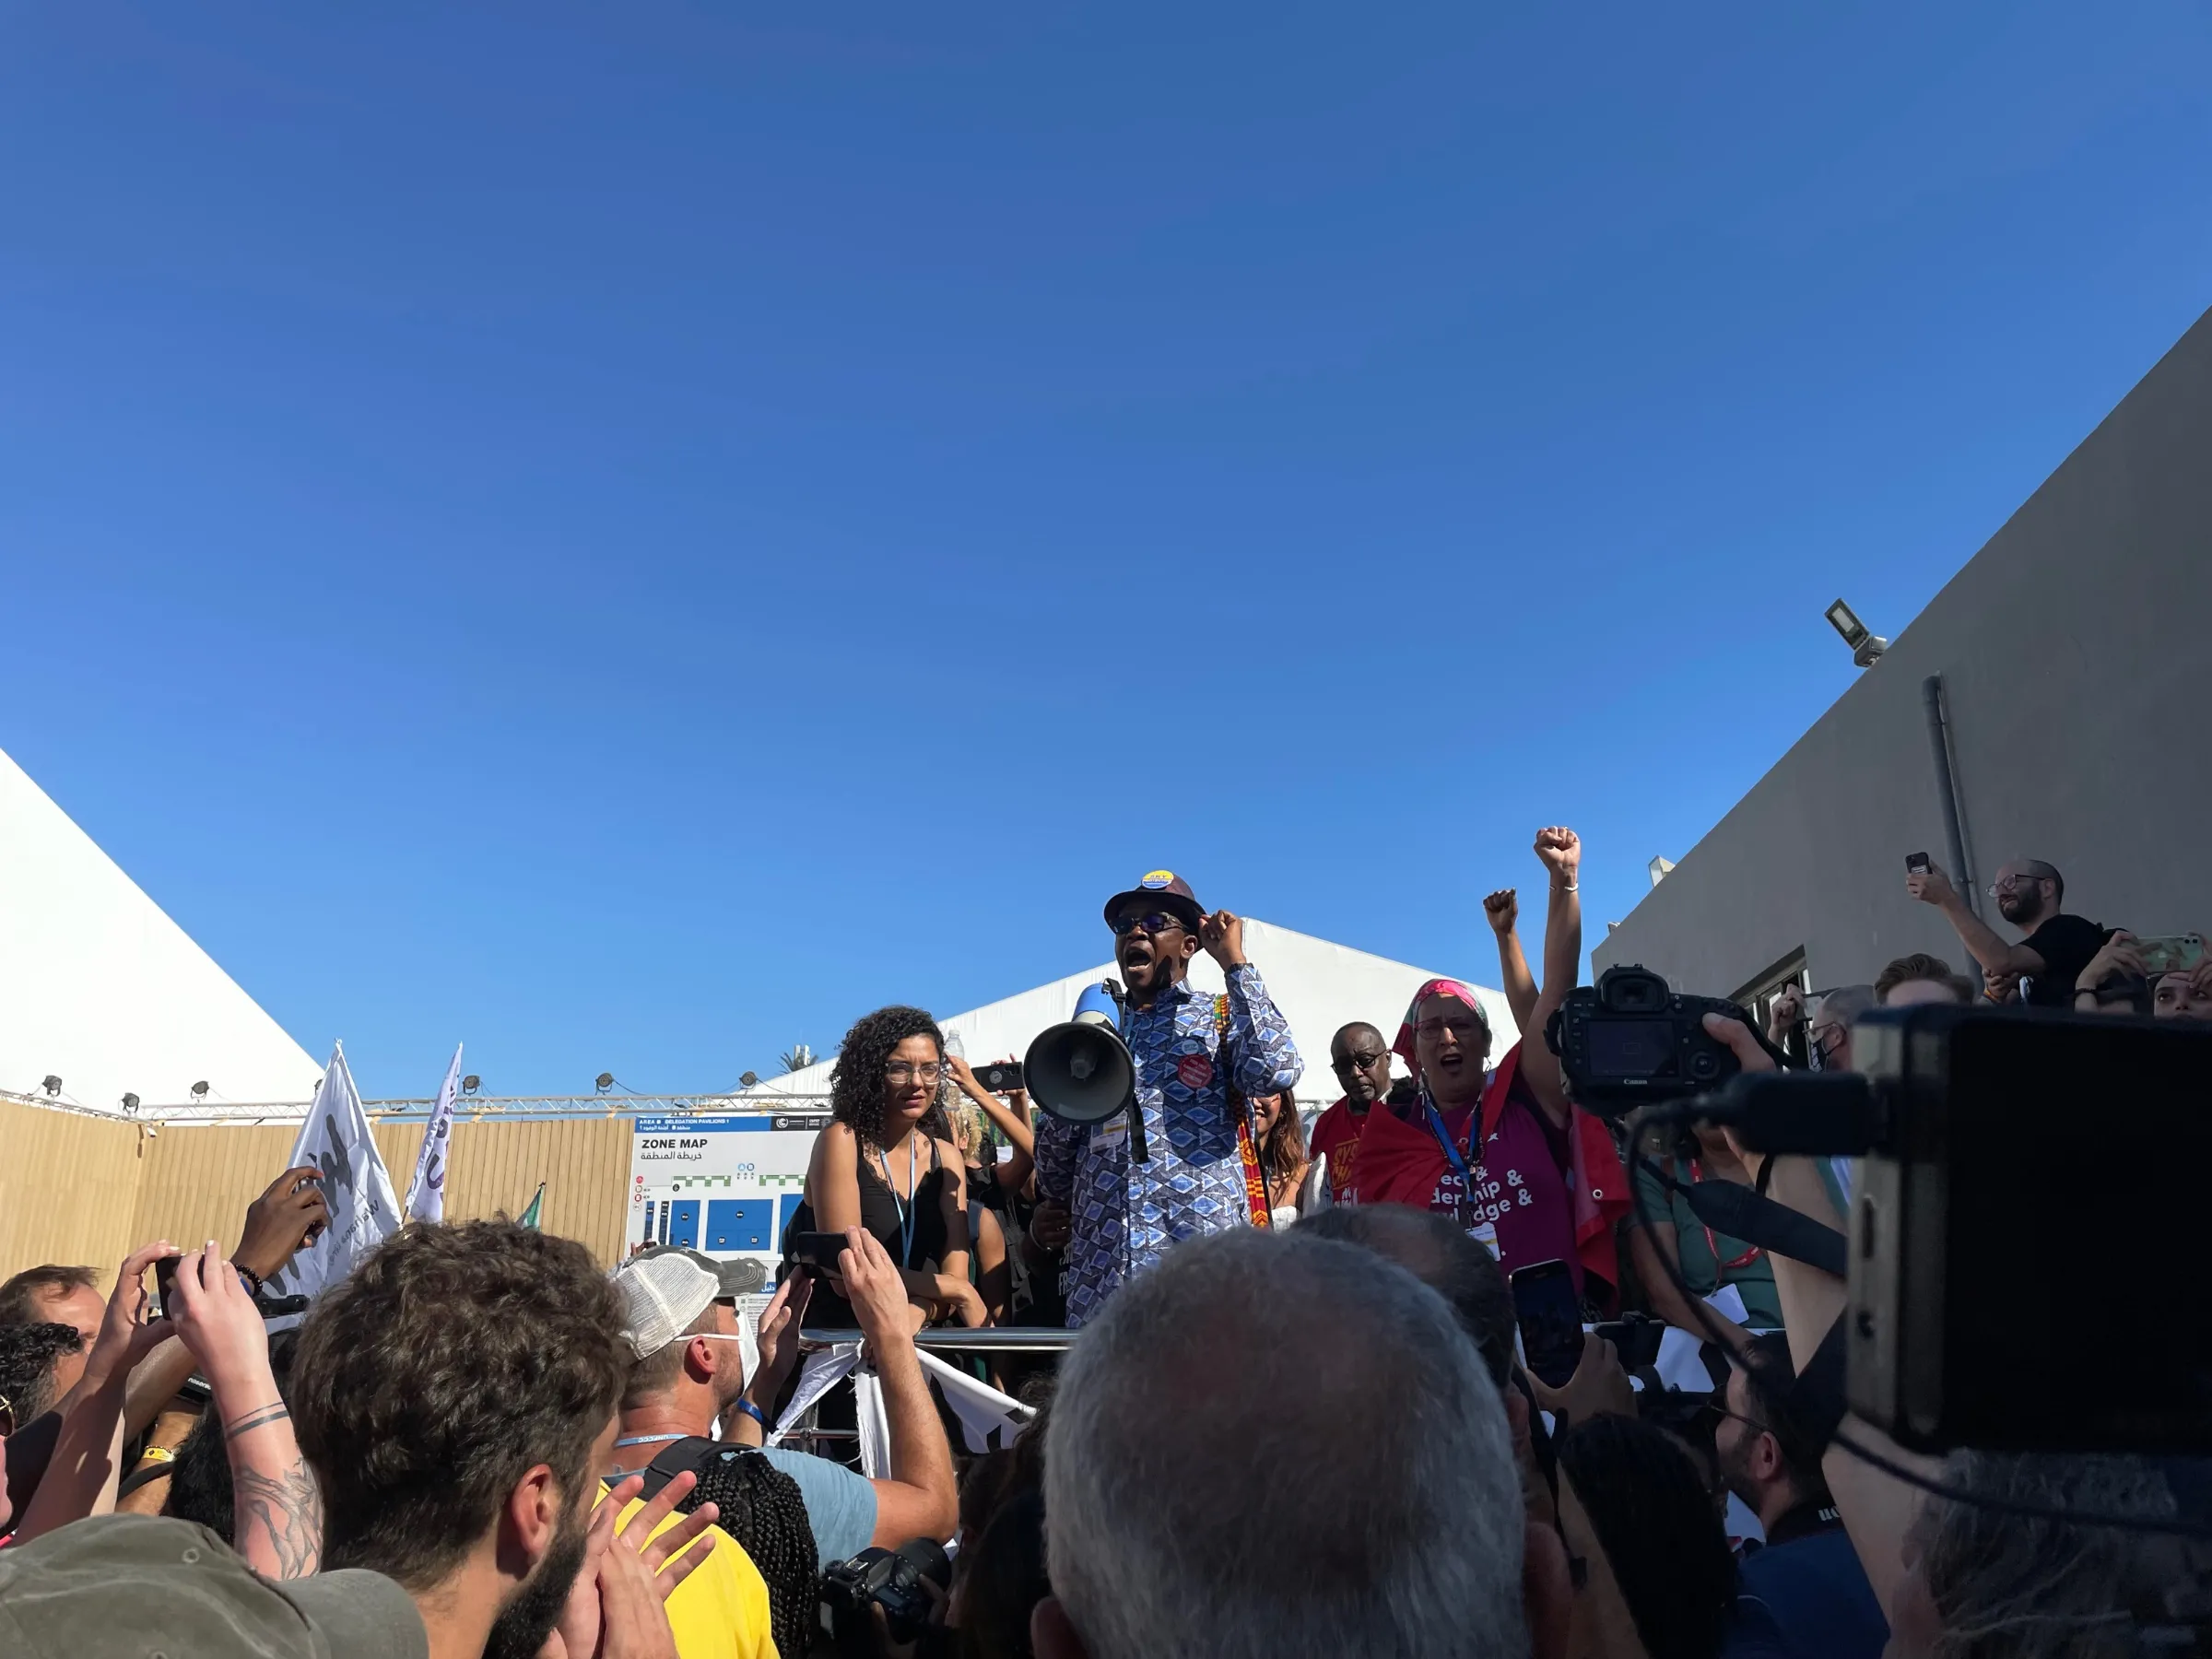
x: 1947, y: 789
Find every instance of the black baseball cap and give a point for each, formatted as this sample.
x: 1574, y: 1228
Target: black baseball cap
x: 1167, y: 890
x: 150, y: 1585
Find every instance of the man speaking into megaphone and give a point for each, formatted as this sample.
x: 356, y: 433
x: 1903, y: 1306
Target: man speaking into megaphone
x: 1189, y: 1050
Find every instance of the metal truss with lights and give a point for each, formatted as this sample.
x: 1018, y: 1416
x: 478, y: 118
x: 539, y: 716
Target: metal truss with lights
x: 470, y: 1109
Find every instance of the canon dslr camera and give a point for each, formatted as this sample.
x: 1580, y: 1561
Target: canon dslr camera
x: 887, y: 1578
x: 1629, y: 1041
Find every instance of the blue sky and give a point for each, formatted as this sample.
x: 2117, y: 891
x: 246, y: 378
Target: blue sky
x: 632, y: 535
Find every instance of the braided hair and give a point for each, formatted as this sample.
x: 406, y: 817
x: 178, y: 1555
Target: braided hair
x: 857, y: 1080
x: 760, y: 1507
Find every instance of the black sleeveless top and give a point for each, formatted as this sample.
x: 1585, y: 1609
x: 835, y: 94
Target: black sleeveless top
x: 883, y: 1212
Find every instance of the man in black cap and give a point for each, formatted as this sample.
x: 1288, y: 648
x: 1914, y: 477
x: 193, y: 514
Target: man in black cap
x: 1191, y: 1049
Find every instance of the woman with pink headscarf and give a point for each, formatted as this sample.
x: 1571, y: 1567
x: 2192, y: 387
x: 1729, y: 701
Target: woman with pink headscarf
x: 1520, y: 1167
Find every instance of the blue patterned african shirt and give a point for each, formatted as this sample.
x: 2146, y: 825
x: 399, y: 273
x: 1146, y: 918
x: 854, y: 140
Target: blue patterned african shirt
x: 1124, y: 1214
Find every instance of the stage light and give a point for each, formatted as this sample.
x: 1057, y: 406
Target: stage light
x: 1867, y: 646
x: 604, y: 1081
x: 130, y: 1104
x: 199, y: 1090
x: 53, y: 1085
x: 750, y: 1080
x: 470, y: 1084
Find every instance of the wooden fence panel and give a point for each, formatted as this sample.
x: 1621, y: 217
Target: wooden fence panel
x: 68, y: 1184
x: 84, y: 1189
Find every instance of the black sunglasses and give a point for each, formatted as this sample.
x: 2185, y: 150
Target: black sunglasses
x: 1157, y: 922
x: 1356, y: 1061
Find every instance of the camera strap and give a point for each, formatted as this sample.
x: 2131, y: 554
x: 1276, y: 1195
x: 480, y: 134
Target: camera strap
x: 1741, y: 1212
x: 1815, y: 1398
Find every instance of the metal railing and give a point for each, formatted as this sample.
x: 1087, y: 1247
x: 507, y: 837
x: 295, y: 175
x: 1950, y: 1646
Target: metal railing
x: 958, y: 1340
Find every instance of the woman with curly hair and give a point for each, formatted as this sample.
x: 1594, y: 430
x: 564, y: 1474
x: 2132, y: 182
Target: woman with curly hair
x: 878, y: 1167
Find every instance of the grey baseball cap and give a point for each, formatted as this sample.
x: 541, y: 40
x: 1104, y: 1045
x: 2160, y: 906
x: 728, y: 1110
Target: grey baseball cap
x: 741, y: 1276
x: 148, y: 1584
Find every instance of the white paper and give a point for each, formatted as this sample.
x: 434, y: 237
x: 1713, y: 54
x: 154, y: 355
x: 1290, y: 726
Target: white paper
x: 1681, y: 1362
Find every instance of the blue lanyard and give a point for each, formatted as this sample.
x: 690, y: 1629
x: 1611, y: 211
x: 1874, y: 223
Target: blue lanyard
x: 906, y: 1214
x: 1444, y: 1139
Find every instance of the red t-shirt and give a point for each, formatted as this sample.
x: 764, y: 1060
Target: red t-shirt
x: 1336, y: 1137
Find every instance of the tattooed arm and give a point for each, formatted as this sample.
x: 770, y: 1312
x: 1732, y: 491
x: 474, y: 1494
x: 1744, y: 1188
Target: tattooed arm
x: 277, y: 1509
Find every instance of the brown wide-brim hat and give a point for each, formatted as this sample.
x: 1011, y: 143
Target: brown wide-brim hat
x: 1168, y: 890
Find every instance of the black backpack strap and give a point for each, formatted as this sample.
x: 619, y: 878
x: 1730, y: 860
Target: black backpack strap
x: 690, y: 1453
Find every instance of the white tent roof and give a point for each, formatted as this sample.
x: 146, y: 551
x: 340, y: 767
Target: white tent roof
x: 1319, y: 986
x: 100, y: 988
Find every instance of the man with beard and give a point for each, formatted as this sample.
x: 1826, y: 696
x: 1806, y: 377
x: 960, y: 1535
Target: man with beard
x: 1804, y: 1592
x: 2030, y: 894
x: 1191, y: 1049
x: 455, y: 1396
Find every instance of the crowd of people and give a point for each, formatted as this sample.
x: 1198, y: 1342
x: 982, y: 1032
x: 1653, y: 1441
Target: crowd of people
x: 1305, y: 1411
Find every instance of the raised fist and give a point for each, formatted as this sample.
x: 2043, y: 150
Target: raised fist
x: 1560, y: 850
x: 1503, y: 908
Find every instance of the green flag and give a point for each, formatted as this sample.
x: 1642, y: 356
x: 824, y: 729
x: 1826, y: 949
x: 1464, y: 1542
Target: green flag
x: 538, y: 1202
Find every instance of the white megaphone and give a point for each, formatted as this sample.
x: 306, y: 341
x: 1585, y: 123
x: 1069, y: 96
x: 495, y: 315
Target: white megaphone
x: 1081, y: 1071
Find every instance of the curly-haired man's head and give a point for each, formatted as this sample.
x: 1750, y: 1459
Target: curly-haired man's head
x: 890, y: 1059
x: 451, y: 1397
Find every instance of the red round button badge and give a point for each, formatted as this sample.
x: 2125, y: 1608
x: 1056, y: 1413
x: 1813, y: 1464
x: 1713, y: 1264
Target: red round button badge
x: 1195, y: 1070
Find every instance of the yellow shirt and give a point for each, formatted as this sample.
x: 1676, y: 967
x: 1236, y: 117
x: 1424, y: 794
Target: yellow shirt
x: 721, y: 1611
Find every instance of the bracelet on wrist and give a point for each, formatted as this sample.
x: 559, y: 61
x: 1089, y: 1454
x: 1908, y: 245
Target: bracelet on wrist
x: 751, y: 1410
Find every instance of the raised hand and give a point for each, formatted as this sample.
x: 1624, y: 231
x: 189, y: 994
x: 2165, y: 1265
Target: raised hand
x: 218, y: 1322
x: 1598, y: 1388
x: 1786, y: 1011
x: 778, y: 1338
x: 1560, y: 852
x: 1503, y: 910
x: 1930, y: 886
x: 1222, y: 933
x: 276, y: 1507
x: 614, y: 1608
x: 127, y: 1331
x: 874, y: 1287
x: 2116, y: 955
x: 290, y: 1212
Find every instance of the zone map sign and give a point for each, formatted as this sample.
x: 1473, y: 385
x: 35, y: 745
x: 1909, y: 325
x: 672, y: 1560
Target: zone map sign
x: 723, y: 1185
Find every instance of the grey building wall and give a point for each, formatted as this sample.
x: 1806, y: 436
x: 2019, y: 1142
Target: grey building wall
x: 2075, y: 649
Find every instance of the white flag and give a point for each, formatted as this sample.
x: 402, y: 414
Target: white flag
x: 363, y: 1212
x: 426, y: 1192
